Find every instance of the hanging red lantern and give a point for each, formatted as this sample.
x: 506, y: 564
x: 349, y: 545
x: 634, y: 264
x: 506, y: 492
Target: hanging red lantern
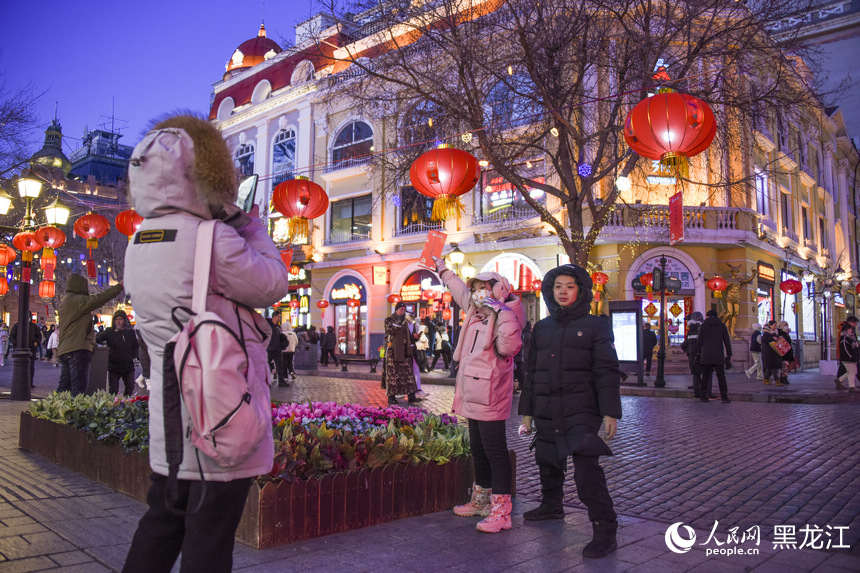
x: 322, y: 305
x: 294, y: 303
x: 429, y: 294
x: 50, y: 238
x: 394, y: 298
x: 670, y: 127
x: 791, y: 286
x: 718, y: 285
x: 443, y: 174
x: 648, y: 280
x: 92, y: 227
x: 27, y: 243
x: 47, y: 289
x: 128, y: 222
x: 299, y: 199
x: 447, y: 297
x: 7, y: 255
x: 4, y: 285
x: 353, y: 303
x: 446, y: 314
x: 857, y: 289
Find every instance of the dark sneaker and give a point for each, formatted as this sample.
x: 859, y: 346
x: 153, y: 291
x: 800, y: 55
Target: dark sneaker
x: 604, y: 542
x: 544, y: 512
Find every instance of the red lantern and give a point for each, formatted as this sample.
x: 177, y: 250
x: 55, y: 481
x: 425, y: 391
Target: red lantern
x: 294, y: 303
x: 446, y: 314
x: 671, y: 127
x: 51, y: 238
x: 857, y: 289
x: 648, y: 280
x: 299, y: 199
x: 128, y: 222
x: 353, y: 303
x: 27, y: 243
x: 322, y: 305
x: 92, y: 227
x: 791, y: 286
x: 429, y: 294
x: 394, y: 298
x: 7, y: 255
x: 444, y: 174
x: 47, y: 289
x: 718, y: 285
x: 4, y: 285
x: 447, y: 297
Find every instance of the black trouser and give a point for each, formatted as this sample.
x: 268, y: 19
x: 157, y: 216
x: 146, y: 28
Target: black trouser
x: 649, y: 356
x: 590, y: 487
x: 697, y: 383
x: 446, y: 358
x: 127, y: 381
x: 75, y: 371
x: 205, y: 538
x: 489, y: 447
x: 288, y: 362
x: 705, y: 385
x: 276, y: 358
x: 326, y: 352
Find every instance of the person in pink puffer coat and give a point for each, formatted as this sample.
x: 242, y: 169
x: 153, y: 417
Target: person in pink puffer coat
x: 490, y: 337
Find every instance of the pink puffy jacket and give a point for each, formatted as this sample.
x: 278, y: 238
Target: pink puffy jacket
x: 485, y: 349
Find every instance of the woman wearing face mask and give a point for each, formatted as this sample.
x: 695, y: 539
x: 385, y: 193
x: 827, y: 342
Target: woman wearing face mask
x: 490, y: 337
x: 572, y: 386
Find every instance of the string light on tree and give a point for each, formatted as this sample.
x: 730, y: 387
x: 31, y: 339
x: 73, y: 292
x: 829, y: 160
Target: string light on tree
x: 584, y: 170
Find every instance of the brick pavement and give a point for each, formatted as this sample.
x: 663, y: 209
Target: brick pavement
x: 743, y: 464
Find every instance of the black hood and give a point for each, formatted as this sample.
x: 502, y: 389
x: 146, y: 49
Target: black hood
x: 582, y: 305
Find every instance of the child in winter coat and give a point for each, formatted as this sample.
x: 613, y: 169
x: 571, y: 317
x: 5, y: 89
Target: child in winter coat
x: 571, y: 388
x: 489, y: 339
x: 122, y: 342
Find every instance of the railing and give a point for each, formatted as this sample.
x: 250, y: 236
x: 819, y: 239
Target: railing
x: 347, y: 163
x: 657, y: 216
x: 416, y: 228
x: 505, y: 215
x: 338, y: 238
x: 789, y: 234
x: 810, y: 244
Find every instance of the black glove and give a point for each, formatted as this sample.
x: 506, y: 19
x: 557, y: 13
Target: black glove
x: 728, y: 362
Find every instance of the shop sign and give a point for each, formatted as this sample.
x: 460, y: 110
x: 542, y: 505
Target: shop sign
x: 346, y: 288
x: 418, y: 282
x: 766, y: 273
x: 838, y: 300
x: 410, y: 293
x: 302, y: 279
x: 380, y: 275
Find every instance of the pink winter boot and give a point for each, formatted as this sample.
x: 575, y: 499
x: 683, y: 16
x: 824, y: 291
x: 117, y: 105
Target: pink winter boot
x: 478, y: 505
x: 500, y: 515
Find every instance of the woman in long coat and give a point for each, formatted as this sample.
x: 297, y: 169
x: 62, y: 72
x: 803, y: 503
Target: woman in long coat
x: 398, y: 377
x: 771, y: 360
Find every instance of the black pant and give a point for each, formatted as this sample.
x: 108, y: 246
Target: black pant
x: 276, y: 361
x: 127, y: 381
x: 288, y: 362
x: 446, y: 358
x: 489, y: 447
x: 75, y: 371
x: 590, y: 487
x: 205, y: 538
x: 326, y: 352
x: 649, y: 356
x: 705, y: 384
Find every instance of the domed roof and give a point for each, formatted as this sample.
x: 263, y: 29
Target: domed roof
x: 51, y: 155
x: 252, y: 52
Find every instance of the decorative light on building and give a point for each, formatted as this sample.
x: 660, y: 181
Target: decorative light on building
x: 623, y: 184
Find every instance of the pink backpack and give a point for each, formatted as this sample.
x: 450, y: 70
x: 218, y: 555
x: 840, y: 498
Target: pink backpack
x: 206, y: 362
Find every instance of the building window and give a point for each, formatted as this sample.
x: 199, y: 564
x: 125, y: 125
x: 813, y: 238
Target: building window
x: 422, y: 127
x: 785, y: 207
x: 822, y: 228
x: 807, y: 228
x: 351, y: 219
x: 352, y: 146
x: 415, y: 212
x: 801, y: 152
x: 761, y: 194
x: 283, y: 156
x: 501, y: 201
x: 782, y: 134
x: 244, y: 159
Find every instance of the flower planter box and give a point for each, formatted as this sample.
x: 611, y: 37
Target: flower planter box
x: 275, y: 513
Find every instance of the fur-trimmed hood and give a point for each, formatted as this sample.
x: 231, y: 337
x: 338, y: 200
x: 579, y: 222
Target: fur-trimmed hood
x: 183, y: 164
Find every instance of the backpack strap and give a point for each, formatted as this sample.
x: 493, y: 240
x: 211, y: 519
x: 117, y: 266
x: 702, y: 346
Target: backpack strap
x: 202, y: 265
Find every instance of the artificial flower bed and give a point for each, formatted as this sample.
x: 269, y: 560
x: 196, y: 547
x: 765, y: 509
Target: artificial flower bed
x: 336, y: 467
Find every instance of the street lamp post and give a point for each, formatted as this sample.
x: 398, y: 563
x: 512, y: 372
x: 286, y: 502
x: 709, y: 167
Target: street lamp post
x: 456, y: 258
x: 29, y: 188
x: 660, y: 381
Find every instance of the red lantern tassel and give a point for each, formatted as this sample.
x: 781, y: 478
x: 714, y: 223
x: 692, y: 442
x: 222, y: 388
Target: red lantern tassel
x: 446, y: 207
x: 650, y: 292
x: 92, y: 244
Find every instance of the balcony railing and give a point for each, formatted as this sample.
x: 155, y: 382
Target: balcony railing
x: 658, y: 216
x: 416, y: 228
x: 810, y: 244
x: 505, y: 215
x: 789, y: 234
x: 339, y: 238
x: 347, y: 163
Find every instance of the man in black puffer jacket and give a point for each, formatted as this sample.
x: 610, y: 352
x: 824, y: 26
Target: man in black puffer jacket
x: 713, y: 339
x: 571, y: 386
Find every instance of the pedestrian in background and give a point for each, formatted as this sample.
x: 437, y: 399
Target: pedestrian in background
x: 53, y: 342
x: 788, y: 365
x: 143, y: 357
x: 34, y: 343
x: 422, y: 345
x: 431, y: 334
x: 692, y: 349
x: 443, y: 347
x: 490, y: 337
x: 715, y: 355
x: 849, y: 356
x: 328, y: 343
x: 275, y: 349
x: 290, y: 350
x: 4, y: 342
x: 755, y: 353
x: 771, y: 359
x: 649, y: 342
x: 572, y: 388
x: 398, y: 371
x: 181, y: 175
x: 123, y: 350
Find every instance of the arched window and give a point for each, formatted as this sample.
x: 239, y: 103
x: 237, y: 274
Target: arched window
x: 303, y: 73
x: 244, y: 159
x: 225, y: 108
x: 511, y: 103
x: 283, y: 156
x: 262, y: 92
x: 352, y: 146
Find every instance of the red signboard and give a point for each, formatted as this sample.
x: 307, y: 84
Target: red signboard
x: 676, y: 218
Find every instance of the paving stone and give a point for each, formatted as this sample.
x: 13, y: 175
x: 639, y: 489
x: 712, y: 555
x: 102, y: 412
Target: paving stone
x: 70, y: 558
x: 39, y: 563
x: 33, y: 544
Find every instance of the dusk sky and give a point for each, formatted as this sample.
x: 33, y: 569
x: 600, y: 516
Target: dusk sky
x: 148, y: 57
